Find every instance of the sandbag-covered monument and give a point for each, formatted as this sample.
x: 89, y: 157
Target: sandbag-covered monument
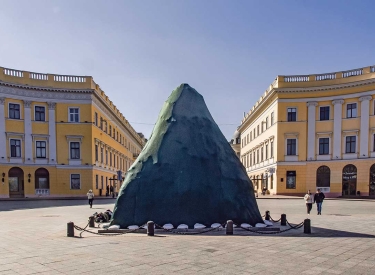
x: 187, y: 172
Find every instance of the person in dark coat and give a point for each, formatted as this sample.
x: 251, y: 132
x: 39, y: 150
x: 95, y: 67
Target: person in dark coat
x: 107, y: 191
x: 318, y: 199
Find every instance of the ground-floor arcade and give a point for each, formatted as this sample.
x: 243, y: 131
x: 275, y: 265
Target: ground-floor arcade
x: 345, y: 178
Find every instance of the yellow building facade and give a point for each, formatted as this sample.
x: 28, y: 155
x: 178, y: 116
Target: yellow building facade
x: 312, y: 131
x: 60, y: 136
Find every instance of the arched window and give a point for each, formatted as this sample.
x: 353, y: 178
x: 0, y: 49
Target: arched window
x: 323, y: 178
x: 372, y: 181
x: 41, y: 178
x: 349, y: 180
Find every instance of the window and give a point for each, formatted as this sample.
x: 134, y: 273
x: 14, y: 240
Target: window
x: 291, y: 147
x: 15, y: 148
x: 96, y: 153
x: 250, y: 159
x: 73, y: 115
x: 248, y: 138
x: 266, y: 151
x: 258, y: 156
x: 101, y: 154
x: 41, y: 149
x: 74, y: 150
x: 323, y: 177
x: 272, y: 118
x: 110, y: 158
x: 266, y: 123
x: 106, y: 156
x: 96, y: 119
x: 101, y: 123
x: 262, y: 127
x: 258, y: 130
x: 351, y: 110
x: 271, y: 153
x: 291, y: 180
x: 14, y: 111
x: 324, y: 113
x: 261, y: 154
x: 254, y: 162
x: 40, y: 113
x: 254, y: 134
x: 323, y: 146
x: 96, y: 181
x: 105, y: 126
x: 251, y: 136
x: 114, y: 160
x: 121, y: 138
x: 102, y: 181
x: 350, y: 144
x: 110, y: 129
x: 75, y: 181
x: 292, y: 114
x: 114, y: 133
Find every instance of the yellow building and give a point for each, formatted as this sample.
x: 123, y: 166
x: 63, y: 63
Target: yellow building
x: 312, y: 131
x: 60, y: 136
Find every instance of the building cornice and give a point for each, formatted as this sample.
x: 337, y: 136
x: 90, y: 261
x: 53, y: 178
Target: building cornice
x: 47, y: 89
x: 42, y: 92
x: 327, y: 88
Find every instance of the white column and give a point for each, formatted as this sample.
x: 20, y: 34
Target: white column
x: 28, y: 132
x: 311, y: 130
x: 337, y: 125
x: 52, y: 132
x: 3, y: 149
x: 364, y: 131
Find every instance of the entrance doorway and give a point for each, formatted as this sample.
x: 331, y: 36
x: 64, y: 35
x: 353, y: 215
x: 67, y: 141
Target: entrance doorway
x: 349, y: 180
x: 16, y: 183
x: 372, y: 181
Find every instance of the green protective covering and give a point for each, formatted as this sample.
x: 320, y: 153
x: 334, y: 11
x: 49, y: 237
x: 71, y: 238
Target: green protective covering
x: 187, y: 172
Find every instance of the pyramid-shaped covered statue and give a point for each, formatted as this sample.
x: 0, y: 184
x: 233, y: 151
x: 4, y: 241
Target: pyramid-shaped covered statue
x: 187, y: 173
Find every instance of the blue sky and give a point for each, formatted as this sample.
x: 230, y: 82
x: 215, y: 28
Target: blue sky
x: 229, y: 51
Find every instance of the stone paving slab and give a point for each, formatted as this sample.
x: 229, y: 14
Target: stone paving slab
x: 34, y: 242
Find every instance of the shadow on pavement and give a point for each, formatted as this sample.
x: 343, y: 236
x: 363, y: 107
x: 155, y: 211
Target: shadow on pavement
x: 33, y: 204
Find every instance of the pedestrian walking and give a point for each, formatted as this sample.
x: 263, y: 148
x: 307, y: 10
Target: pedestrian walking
x: 309, y: 200
x: 107, y: 191
x: 90, y: 196
x: 318, y: 198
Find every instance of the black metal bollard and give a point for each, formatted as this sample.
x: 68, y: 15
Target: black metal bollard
x: 70, y: 229
x: 92, y: 221
x: 267, y: 216
x: 283, y: 219
x: 150, y: 228
x: 307, y: 226
x: 229, y: 230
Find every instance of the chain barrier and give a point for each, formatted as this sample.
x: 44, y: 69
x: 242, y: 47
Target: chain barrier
x: 82, y: 230
x: 104, y: 234
x: 274, y: 220
x: 191, y: 233
x: 275, y: 232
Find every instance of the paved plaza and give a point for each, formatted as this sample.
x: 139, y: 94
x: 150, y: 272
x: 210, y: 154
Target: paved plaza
x: 34, y: 242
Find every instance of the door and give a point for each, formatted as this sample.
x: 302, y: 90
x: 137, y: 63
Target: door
x: 16, y: 183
